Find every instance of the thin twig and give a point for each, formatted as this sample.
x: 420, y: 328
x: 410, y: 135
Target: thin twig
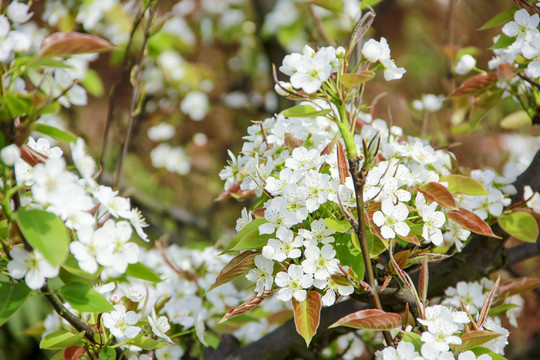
x: 135, y: 93
x: 530, y: 81
x: 320, y: 26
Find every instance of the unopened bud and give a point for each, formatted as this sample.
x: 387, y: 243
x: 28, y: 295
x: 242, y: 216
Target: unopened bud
x: 10, y: 154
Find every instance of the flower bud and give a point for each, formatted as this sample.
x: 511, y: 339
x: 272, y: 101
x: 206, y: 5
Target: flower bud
x: 279, y: 88
x: 340, y: 52
x: 466, y: 63
x: 10, y: 154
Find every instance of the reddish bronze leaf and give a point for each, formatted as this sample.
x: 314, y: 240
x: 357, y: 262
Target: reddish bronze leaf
x: 307, y: 315
x: 73, y: 352
x: 487, y: 304
x: 410, y: 238
x: 370, y: 319
x: 518, y: 286
x: 236, y: 193
x: 506, y: 72
x: 402, y: 257
x: 423, y: 281
x: 342, y: 163
x: 72, y: 43
x: 352, y: 80
x: 475, y: 83
x: 245, y: 307
x: 471, y: 221
x: 330, y: 147
x: 259, y: 212
x: 475, y: 338
x: 236, y: 267
x: 291, y: 142
x: 434, y: 191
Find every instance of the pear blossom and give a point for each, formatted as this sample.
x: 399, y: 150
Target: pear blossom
x: 244, y: 220
x: 391, y: 219
x: 523, y: 24
x: 196, y: 105
x: 293, y: 283
x: 10, y: 154
x: 117, y: 206
x: 261, y: 274
x: 121, y: 323
x: 277, y: 216
x: 159, y: 325
x: 429, y: 102
x: 403, y: 351
x: 319, y: 233
x: 433, y: 221
x: 469, y: 355
x: 122, y: 252
x: 43, y: 146
x: 31, y: 266
x: 465, y: 64
x: 18, y: 12
x: 86, y: 249
x: 320, y: 262
x: 332, y: 290
x: 169, y: 352
x: 160, y: 132
x: 286, y: 246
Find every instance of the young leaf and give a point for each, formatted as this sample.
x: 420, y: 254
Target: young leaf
x: 46, y: 233
x: 521, y: 225
x: 236, y: 267
x: 471, y: 221
x: 475, y: 83
x: 480, y: 351
x: 434, y: 191
x: 501, y: 309
x: 352, y: 80
x: 503, y: 42
x: 483, y: 313
x: 500, y: 19
x: 55, y: 133
x: 72, y: 43
x: 249, y: 237
x: 343, y: 167
x: 459, y: 184
x: 73, y: 352
x: 516, y: 120
x: 307, y: 315
x: 349, y: 255
x: 368, y: 3
x: 472, y: 339
x: 423, y: 281
x: 12, y: 297
x: 83, y: 298
x: 370, y: 319
x: 518, y: 286
x: 146, y: 343
x: 304, y: 111
x: 246, y: 306
x: 61, y: 339
x: 340, y: 226
x: 141, y: 271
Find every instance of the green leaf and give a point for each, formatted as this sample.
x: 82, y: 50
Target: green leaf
x: 480, y: 350
x: 12, y: 297
x: 83, y: 298
x: 46, y: 233
x: 516, y: 120
x: 521, y: 225
x: 349, y: 255
x: 375, y: 244
x: 61, y: 339
x: 307, y: 315
x: 332, y: 5
x: 236, y: 267
x: 141, y: 271
x: 107, y: 354
x: 352, y: 80
x: 32, y: 62
x: 472, y: 339
x: 503, y: 42
x: 71, y: 265
x: 55, y: 133
x: 92, y: 83
x: 16, y: 105
x: 501, y: 309
x: 249, y: 237
x: 340, y: 226
x: 365, y: 4
x: 500, y: 19
x: 146, y: 343
x: 370, y: 319
x: 459, y: 184
x: 304, y: 111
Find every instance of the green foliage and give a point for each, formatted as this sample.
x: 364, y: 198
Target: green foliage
x: 500, y: 19
x: 141, y: 271
x: 249, y: 237
x: 348, y: 254
x: 304, y: 111
x: 521, y: 225
x: 60, y: 340
x: 12, y: 297
x: 55, y: 133
x: 46, y: 233
x: 83, y: 298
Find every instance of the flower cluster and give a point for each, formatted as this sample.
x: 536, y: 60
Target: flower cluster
x: 291, y: 164
x: 102, y: 222
x: 444, y: 327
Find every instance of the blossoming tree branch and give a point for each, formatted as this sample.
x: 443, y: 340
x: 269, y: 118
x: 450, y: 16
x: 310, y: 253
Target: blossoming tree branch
x: 359, y: 239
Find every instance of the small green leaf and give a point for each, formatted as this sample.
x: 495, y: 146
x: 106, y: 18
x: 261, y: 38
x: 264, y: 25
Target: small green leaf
x: 61, y: 339
x: 249, y: 237
x: 347, y: 254
x: 480, y: 350
x: 516, y: 120
x: 501, y: 309
x: 459, y: 184
x: 46, y: 233
x: 16, y: 105
x: 521, y: 225
x: 141, y: 271
x: 71, y: 265
x: 12, y: 297
x: 503, y: 42
x: 366, y: 4
x: 340, y: 226
x: 55, y: 133
x: 472, y: 339
x: 146, y: 343
x: 304, y: 111
x: 83, y: 298
x: 500, y: 18
x: 107, y: 354
x: 307, y: 315
x: 375, y: 244
x: 92, y: 83
x: 352, y: 80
